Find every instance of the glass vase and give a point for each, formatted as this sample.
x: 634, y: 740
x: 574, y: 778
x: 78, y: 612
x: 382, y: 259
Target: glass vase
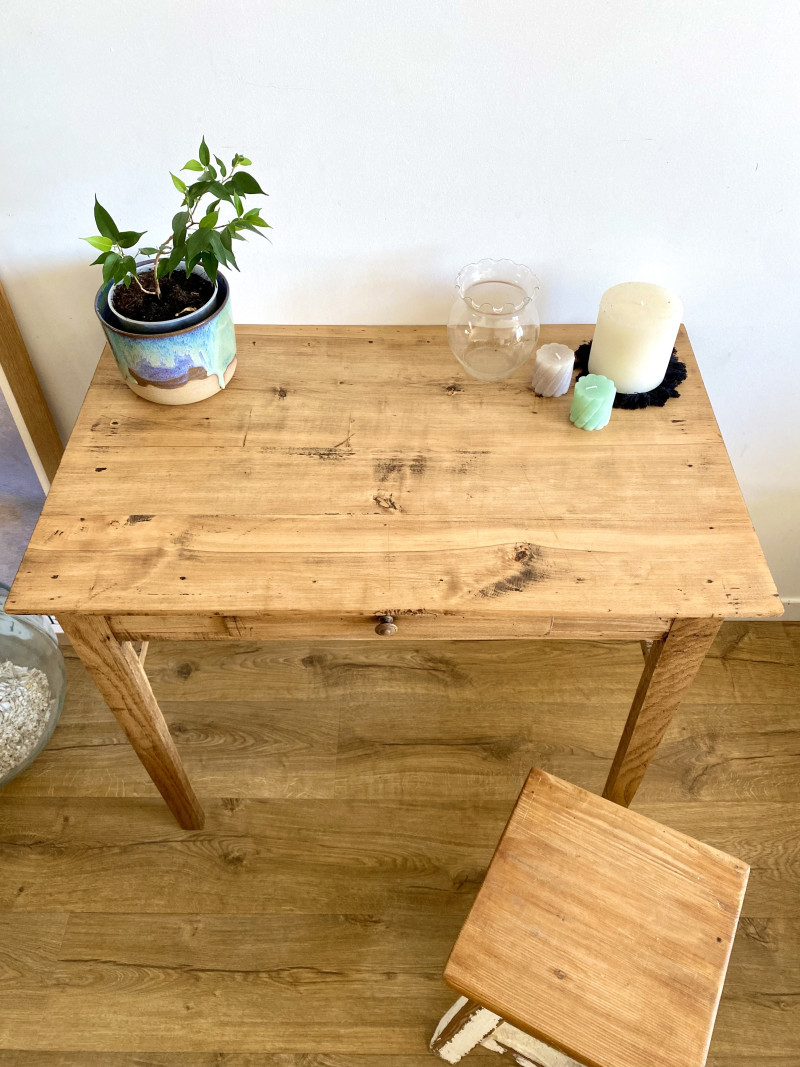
x: 494, y: 323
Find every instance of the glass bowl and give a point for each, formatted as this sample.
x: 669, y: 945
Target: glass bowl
x: 30, y: 641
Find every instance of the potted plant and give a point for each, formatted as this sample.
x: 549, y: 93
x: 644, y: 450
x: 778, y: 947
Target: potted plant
x: 167, y: 317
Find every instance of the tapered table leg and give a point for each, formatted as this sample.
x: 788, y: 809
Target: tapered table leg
x: 669, y: 669
x: 121, y: 679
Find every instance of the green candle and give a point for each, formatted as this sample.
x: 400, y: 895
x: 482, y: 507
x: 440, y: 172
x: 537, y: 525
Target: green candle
x: 592, y: 402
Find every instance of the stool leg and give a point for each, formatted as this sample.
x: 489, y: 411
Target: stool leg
x: 463, y: 1028
x: 528, y: 1051
x: 669, y: 670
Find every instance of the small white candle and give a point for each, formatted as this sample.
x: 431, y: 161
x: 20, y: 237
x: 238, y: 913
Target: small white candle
x: 636, y: 329
x: 552, y: 371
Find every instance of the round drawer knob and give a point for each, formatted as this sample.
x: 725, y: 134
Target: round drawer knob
x: 386, y: 626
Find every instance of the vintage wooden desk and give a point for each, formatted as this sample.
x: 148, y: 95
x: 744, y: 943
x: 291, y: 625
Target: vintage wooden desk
x: 352, y: 473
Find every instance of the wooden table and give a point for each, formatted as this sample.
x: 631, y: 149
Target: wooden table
x: 349, y: 473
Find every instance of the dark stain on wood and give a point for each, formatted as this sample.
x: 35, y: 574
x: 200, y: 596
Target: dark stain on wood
x: 454, y: 388
x: 341, y: 450
x: 132, y: 520
x: 398, y: 612
x: 529, y: 571
x: 385, y: 468
x: 334, y: 452
x: 280, y: 392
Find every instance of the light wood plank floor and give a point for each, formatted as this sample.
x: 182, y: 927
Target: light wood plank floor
x: 354, y: 795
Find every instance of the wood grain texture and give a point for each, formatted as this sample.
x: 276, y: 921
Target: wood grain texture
x: 27, y: 391
x: 119, y: 675
x: 600, y: 932
x: 411, y: 626
x: 42, y: 1058
x: 669, y: 670
x: 355, y: 471
x: 426, y: 749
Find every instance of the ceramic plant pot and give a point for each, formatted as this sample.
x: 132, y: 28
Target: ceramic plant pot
x: 166, y: 325
x: 180, y: 367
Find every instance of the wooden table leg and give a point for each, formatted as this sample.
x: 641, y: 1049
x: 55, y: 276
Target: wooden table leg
x: 120, y: 677
x: 669, y: 669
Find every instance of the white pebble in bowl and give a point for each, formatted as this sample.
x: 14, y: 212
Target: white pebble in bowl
x: 24, y: 712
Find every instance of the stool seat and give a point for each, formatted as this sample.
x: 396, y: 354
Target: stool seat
x: 600, y: 932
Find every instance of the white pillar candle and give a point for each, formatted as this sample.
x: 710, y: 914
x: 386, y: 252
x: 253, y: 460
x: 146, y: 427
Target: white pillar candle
x: 636, y: 329
x: 552, y: 371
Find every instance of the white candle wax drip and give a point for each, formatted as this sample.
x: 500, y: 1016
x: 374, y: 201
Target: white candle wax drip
x: 552, y: 372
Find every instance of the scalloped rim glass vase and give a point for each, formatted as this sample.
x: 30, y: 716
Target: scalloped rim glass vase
x: 494, y: 324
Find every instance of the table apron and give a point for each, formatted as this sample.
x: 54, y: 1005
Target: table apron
x: 412, y: 626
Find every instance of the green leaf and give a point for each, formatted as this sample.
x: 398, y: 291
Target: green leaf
x: 237, y: 203
x: 197, y: 243
x: 176, y: 181
x: 129, y: 263
x: 149, y: 251
x: 175, y: 258
x: 221, y: 246
x: 162, y: 268
x: 100, y: 259
x: 217, y: 247
x: 244, y: 161
x: 219, y: 191
x: 231, y: 229
x: 179, y: 222
x: 245, y: 183
x: 210, y: 265
x: 204, y: 155
x: 210, y: 173
x: 257, y: 221
x: 213, y: 206
x: 198, y: 189
x: 105, y: 224
x: 221, y: 166
x: 192, y: 165
x: 208, y: 222
x: 128, y: 238
x: 103, y: 243
x: 110, y: 265
x: 248, y: 225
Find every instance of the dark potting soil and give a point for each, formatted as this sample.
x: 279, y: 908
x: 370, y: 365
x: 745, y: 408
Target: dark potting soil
x: 179, y: 296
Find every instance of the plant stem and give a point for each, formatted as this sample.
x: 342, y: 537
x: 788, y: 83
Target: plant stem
x: 189, y: 223
x: 136, y: 279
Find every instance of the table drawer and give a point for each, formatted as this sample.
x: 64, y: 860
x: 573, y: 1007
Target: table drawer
x: 405, y: 625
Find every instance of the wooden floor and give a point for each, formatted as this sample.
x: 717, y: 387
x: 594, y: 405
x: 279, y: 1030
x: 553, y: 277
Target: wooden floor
x: 354, y: 795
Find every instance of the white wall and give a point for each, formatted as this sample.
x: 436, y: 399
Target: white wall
x: 596, y: 140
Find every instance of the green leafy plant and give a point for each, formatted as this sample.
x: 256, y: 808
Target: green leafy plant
x: 197, y: 237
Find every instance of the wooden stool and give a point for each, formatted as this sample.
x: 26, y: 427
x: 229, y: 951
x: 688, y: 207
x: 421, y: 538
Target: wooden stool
x: 598, y: 937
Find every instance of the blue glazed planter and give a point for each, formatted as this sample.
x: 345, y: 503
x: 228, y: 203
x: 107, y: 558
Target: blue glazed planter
x: 181, y: 367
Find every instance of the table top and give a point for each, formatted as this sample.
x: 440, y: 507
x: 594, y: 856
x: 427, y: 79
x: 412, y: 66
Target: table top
x: 357, y: 470
x: 601, y: 932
